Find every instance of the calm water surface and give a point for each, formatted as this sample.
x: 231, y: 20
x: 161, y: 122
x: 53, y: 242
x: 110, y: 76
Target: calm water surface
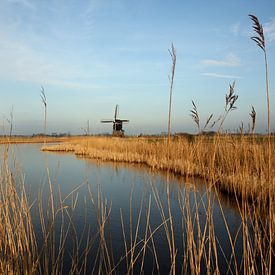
x: 126, y: 190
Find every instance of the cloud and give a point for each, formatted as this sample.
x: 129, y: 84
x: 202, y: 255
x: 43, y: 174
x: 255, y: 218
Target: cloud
x: 20, y: 62
x: 269, y: 30
x: 32, y: 56
x: 216, y: 75
x: 231, y: 60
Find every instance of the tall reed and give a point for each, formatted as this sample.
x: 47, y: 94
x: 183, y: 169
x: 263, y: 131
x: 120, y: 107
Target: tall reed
x: 260, y: 41
x: 195, y: 249
x: 44, y: 101
x: 173, y: 55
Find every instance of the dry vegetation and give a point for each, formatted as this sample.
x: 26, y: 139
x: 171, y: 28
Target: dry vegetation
x: 21, y: 254
x: 240, y: 166
x: 237, y: 165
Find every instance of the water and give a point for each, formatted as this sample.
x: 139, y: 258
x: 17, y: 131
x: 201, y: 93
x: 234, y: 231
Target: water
x: 126, y: 191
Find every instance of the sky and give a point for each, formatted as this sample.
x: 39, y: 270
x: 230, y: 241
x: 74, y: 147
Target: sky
x: 91, y: 55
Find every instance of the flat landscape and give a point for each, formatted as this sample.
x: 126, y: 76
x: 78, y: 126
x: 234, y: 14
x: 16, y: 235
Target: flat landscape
x: 224, y: 173
x: 137, y: 137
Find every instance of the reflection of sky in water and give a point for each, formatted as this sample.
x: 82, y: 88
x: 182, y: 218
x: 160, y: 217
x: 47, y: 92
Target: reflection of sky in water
x: 118, y: 183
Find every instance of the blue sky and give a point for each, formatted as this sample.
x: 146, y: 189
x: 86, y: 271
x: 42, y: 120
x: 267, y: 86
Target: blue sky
x: 91, y: 55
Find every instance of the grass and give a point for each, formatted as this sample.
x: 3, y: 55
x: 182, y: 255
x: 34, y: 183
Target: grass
x: 173, y: 55
x: 240, y: 167
x: 23, y: 253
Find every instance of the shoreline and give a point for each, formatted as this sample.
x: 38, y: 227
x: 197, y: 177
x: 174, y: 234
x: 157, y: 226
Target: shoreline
x: 245, y: 183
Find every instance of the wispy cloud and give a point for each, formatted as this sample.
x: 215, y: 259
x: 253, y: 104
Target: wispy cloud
x: 20, y: 62
x: 231, y: 60
x: 269, y: 29
x: 38, y: 56
x: 217, y: 75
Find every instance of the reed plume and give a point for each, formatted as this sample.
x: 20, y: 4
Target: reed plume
x: 171, y: 79
x: 196, y: 118
x: 230, y: 100
x: 44, y: 101
x: 195, y: 115
x: 260, y: 41
x: 253, y: 118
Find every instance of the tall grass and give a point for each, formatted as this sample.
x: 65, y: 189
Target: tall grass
x: 44, y: 102
x: 253, y: 119
x: 195, y: 249
x: 173, y: 55
x: 239, y: 167
x: 228, y: 164
x: 18, y: 246
x: 260, y: 41
x: 236, y: 165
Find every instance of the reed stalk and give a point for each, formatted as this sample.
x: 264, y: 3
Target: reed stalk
x: 173, y: 55
x: 201, y: 247
x: 44, y: 101
x: 260, y: 41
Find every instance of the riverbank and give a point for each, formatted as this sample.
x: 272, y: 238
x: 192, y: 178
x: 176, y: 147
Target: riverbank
x: 234, y: 164
x: 253, y: 236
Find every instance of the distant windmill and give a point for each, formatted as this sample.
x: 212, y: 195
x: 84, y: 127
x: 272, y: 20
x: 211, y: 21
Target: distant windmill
x: 117, y: 124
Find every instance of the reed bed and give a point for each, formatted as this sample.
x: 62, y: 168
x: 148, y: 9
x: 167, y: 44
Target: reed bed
x: 18, y: 247
x: 237, y: 165
x: 24, y: 249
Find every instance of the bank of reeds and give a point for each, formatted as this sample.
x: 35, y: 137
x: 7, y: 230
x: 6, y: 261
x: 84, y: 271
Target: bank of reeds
x: 29, y: 248
x: 235, y: 164
x: 17, y: 240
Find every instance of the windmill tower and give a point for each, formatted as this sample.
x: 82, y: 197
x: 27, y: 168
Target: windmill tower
x: 117, y: 124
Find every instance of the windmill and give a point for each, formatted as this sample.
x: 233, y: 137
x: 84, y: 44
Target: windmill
x: 117, y: 124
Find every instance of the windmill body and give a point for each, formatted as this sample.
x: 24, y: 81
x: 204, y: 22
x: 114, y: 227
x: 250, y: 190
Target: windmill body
x: 117, y: 124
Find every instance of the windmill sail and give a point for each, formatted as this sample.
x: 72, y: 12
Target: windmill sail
x: 106, y: 121
x: 116, y: 112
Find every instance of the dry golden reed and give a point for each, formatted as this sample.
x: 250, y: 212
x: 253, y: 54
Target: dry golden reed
x: 239, y: 167
x: 21, y: 255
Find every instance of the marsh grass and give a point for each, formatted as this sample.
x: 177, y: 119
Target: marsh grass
x: 173, y: 55
x: 62, y: 248
x: 240, y: 170
x: 196, y: 118
x: 228, y: 164
x: 253, y: 119
x: 260, y: 41
x: 17, y: 241
x: 44, y: 102
x: 240, y: 166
